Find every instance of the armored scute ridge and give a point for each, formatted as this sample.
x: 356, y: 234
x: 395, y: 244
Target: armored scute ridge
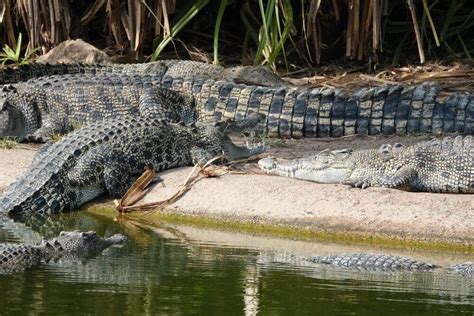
x: 68, y: 246
x: 50, y: 111
x: 387, y: 263
x: 373, y: 262
x: 465, y: 268
x: 283, y: 111
x: 258, y: 75
x: 442, y: 165
x: 44, y: 188
x: 320, y: 112
x: 108, y: 156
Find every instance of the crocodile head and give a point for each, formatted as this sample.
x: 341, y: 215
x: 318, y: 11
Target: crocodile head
x: 329, y: 166
x: 215, y: 138
x: 81, y: 243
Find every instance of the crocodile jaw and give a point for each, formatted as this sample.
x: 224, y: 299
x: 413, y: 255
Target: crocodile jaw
x: 299, y: 169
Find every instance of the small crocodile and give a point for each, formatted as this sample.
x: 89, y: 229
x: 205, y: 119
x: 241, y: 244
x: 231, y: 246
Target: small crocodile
x: 68, y: 246
x: 439, y: 165
x: 283, y: 111
x: 258, y: 75
x: 107, y: 156
x: 380, y: 262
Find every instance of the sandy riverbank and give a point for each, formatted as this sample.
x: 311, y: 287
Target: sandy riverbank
x: 255, y: 198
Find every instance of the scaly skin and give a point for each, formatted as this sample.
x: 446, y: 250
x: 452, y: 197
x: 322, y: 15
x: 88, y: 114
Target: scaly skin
x: 380, y: 262
x: 177, y: 68
x: 373, y: 262
x: 107, y: 156
x: 70, y: 246
x: 51, y: 111
x: 445, y: 165
x: 370, y: 262
x: 284, y: 112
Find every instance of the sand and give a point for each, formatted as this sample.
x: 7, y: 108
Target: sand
x: 257, y: 198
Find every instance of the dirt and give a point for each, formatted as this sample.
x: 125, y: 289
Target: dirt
x: 258, y: 198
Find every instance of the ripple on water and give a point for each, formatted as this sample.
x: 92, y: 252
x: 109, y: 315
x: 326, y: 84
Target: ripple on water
x: 153, y: 274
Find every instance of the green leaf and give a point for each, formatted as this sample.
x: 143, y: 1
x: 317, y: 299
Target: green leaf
x: 188, y: 16
x: 18, y: 48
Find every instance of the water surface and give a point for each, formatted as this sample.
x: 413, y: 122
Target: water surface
x: 169, y: 272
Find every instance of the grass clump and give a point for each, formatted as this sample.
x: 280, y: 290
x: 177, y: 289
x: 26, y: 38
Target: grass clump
x: 271, y: 32
x: 13, y: 55
x: 7, y: 143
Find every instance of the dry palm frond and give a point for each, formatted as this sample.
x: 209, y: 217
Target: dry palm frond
x: 137, y: 191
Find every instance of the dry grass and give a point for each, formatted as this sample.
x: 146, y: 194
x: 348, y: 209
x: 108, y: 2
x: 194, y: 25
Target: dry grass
x: 455, y: 77
x: 313, y: 30
x: 50, y: 22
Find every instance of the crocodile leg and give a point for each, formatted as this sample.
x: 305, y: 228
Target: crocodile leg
x: 21, y: 119
x: 119, y: 177
x: 166, y: 104
x: 51, y: 126
x: 89, y: 169
x: 401, y: 179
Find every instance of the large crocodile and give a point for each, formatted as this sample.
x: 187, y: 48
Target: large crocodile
x: 258, y: 75
x: 107, y: 156
x: 440, y: 165
x: 371, y: 262
x: 37, y: 114
x: 283, y: 111
x: 70, y: 246
x: 381, y: 262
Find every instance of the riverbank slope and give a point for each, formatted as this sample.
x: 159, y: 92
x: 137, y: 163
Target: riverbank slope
x: 258, y: 199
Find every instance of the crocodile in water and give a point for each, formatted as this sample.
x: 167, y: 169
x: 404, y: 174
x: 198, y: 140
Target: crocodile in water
x: 439, y: 165
x: 380, y: 262
x: 70, y: 246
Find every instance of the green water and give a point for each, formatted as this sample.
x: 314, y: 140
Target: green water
x: 157, y: 273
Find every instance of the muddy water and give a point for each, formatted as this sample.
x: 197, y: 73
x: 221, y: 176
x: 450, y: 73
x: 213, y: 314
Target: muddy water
x: 185, y: 270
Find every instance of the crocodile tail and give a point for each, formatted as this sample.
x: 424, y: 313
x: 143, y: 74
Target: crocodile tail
x: 30, y: 71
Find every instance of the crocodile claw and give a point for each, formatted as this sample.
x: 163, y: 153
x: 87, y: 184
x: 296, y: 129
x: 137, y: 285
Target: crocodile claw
x: 357, y: 183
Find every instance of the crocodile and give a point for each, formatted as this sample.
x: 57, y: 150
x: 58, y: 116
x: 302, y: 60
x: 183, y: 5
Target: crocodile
x: 68, y: 246
x: 439, y: 165
x: 283, y: 111
x: 107, y: 157
x: 381, y: 262
x: 38, y: 114
x: 258, y: 75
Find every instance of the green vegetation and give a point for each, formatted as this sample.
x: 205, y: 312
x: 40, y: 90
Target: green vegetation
x: 272, y: 32
x: 14, y: 55
x: 7, y: 143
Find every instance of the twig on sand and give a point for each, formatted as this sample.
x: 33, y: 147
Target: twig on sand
x: 138, y: 189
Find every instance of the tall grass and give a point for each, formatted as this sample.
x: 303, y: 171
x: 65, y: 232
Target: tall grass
x: 271, y: 31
